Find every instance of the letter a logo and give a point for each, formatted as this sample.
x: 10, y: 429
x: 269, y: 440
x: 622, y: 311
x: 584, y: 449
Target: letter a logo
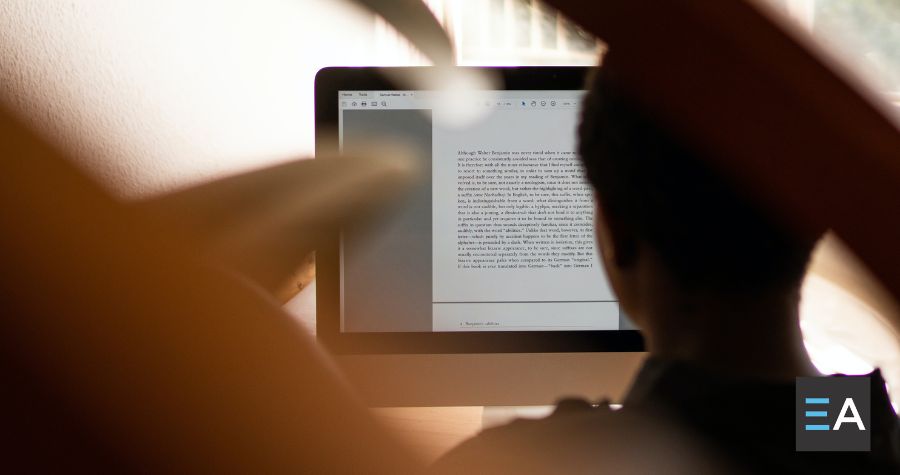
x: 842, y: 418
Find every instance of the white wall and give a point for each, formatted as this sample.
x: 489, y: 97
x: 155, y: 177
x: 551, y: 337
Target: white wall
x: 153, y: 95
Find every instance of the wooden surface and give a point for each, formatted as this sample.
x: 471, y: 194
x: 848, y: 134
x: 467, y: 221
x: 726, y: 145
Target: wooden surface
x: 431, y: 431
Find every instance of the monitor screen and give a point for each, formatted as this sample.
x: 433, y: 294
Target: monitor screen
x: 498, y: 237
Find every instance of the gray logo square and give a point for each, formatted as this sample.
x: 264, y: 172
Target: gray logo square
x: 833, y: 414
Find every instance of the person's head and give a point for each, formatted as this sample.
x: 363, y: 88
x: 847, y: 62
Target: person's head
x: 667, y: 220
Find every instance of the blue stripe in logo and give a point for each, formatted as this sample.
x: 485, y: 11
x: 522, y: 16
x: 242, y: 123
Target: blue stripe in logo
x: 817, y: 400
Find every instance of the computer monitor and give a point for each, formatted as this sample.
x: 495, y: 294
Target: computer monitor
x: 482, y: 286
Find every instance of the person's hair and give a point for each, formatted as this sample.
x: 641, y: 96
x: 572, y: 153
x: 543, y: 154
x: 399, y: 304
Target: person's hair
x: 707, y: 234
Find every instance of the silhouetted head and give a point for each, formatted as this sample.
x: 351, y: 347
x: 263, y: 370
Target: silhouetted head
x: 666, y: 219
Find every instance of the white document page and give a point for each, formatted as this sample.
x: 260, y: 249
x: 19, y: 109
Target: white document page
x: 513, y: 242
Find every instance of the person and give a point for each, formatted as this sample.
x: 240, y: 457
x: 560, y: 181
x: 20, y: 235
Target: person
x: 713, y: 282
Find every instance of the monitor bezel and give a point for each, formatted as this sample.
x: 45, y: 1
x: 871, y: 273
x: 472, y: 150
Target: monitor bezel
x: 328, y: 82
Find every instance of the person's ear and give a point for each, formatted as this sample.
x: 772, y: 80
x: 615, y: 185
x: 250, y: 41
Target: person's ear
x: 615, y: 237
